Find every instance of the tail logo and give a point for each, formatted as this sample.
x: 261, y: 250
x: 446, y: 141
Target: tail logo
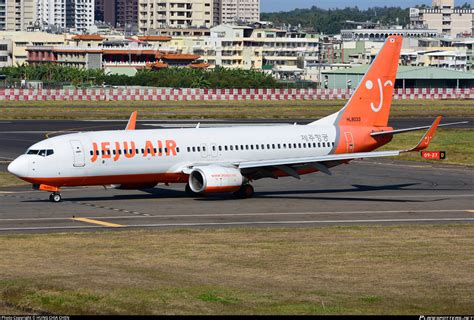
x: 369, y: 85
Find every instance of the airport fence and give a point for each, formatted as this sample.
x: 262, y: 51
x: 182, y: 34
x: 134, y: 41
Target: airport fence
x: 174, y: 94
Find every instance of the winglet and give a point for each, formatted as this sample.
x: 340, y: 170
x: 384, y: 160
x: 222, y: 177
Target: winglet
x: 132, y: 121
x: 429, y: 135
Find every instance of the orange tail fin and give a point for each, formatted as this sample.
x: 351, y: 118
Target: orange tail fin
x: 370, y: 103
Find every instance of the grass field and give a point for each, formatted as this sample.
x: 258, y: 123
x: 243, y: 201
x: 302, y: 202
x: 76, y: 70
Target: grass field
x: 331, y: 270
x: 8, y: 180
x: 220, y: 110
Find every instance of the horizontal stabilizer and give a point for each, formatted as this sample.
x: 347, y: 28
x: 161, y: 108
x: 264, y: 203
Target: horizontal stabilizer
x: 392, y: 132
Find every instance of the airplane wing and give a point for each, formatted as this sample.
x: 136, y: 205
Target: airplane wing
x: 319, y: 162
x: 132, y: 122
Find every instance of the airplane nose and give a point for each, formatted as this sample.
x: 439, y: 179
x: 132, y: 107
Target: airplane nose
x: 19, y: 167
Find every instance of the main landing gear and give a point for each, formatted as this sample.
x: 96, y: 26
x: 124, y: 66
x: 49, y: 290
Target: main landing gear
x: 246, y: 191
x: 55, y: 197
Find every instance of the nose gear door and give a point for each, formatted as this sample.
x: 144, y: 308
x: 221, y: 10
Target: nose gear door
x: 78, y: 154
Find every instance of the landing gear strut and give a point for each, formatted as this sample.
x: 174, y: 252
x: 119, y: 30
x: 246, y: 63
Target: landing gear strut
x: 55, y: 197
x: 246, y: 191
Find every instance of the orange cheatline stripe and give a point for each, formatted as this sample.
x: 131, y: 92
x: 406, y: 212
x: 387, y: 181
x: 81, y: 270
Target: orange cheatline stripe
x: 102, y: 223
x: 470, y: 210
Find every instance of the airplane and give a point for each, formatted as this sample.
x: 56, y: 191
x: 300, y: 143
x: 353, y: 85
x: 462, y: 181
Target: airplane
x: 224, y: 160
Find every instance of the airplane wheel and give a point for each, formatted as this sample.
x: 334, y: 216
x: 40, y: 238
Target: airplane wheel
x: 190, y: 192
x: 245, y: 192
x: 55, y: 197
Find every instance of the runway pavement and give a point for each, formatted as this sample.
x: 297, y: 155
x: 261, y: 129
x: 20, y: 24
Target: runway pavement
x: 364, y: 192
x: 17, y: 135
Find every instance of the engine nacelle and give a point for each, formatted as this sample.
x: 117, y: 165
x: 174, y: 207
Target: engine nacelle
x: 215, y: 179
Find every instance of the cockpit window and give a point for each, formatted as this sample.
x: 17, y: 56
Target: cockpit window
x: 43, y: 153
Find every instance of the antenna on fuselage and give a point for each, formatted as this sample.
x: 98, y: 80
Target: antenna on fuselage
x: 198, y: 125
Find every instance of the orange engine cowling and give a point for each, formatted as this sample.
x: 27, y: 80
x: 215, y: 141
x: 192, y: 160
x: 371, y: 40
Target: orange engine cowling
x: 215, y: 179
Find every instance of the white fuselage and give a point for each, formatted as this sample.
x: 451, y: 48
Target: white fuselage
x: 160, y: 151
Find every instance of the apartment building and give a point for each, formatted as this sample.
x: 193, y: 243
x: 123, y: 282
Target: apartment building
x: 5, y: 53
x: 445, y: 18
x: 21, y: 40
x: 156, y: 14
x: 235, y: 11
x: 242, y: 47
x: 74, y: 15
x: 16, y: 15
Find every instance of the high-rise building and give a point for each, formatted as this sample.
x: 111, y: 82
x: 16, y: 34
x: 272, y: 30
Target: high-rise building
x: 16, y: 15
x: 155, y: 14
x: 234, y: 11
x: 66, y: 14
x: 445, y: 18
x: 126, y: 13
x: 117, y: 13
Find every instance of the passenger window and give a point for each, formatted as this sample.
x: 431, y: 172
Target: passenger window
x: 102, y: 152
x: 92, y: 153
x: 220, y: 148
x: 241, y: 147
x: 97, y: 152
x: 289, y: 145
x: 213, y: 148
x: 268, y: 146
x: 333, y: 144
x: 324, y: 144
x: 236, y: 147
x: 231, y: 148
x: 194, y: 149
x: 189, y: 149
x: 294, y: 145
x: 251, y: 146
x: 120, y: 151
x: 247, y: 147
x: 319, y: 144
x: 177, y: 149
x: 284, y: 146
x: 256, y: 146
x: 273, y: 146
x: 166, y: 150
x: 114, y: 152
x: 279, y: 146
x: 263, y: 147
x: 225, y: 148
x: 299, y: 145
x: 314, y: 145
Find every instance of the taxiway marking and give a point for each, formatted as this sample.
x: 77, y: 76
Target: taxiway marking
x: 197, y: 224
x: 101, y: 223
x: 239, y: 215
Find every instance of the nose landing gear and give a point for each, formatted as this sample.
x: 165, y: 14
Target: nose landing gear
x: 55, y: 197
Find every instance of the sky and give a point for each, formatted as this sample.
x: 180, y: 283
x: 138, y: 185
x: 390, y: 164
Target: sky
x: 286, y: 5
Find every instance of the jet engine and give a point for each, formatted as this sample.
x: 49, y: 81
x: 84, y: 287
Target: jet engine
x: 215, y: 179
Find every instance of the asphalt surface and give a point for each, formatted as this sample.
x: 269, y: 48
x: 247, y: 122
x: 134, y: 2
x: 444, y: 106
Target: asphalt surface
x: 361, y: 193
x: 17, y: 135
x: 364, y: 192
